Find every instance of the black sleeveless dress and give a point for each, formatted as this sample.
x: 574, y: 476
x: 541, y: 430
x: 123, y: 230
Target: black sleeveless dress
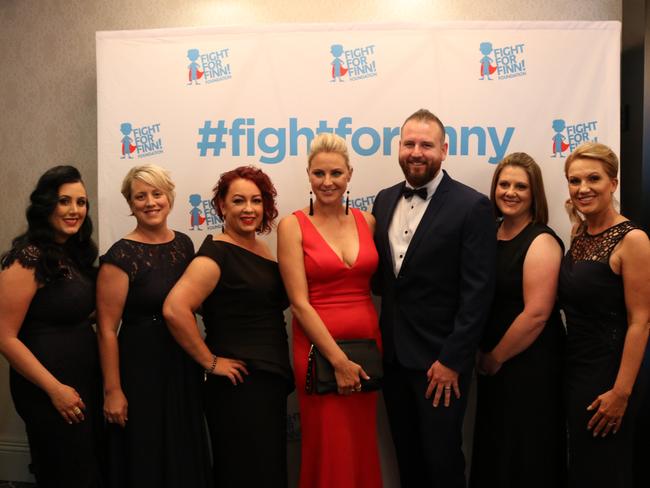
x: 164, y: 443
x: 593, y: 300
x: 244, y: 320
x: 519, y: 436
x: 58, y: 332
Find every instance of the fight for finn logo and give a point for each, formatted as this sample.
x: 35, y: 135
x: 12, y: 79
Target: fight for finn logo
x: 208, y: 67
x: 203, y: 213
x: 143, y: 141
x: 506, y: 61
x: 568, y: 137
x: 352, y: 64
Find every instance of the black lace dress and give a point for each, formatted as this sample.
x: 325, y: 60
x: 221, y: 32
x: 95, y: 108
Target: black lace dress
x: 58, y: 332
x: 164, y: 443
x: 593, y: 300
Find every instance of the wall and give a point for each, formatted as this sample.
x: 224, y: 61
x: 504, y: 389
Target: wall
x: 635, y: 111
x: 48, y: 93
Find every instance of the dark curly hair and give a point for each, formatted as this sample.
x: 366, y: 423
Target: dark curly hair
x: 79, y: 248
x: 262, y: 181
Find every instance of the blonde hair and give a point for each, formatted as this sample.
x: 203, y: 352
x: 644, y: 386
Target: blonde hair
x: 609, y: 160
x: 326, y: 142
x: 151, y: 175
x: 597, y: 151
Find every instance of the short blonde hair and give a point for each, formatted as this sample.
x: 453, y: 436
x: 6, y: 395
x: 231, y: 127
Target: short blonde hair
x: 151, y: 175
x: 326, y: 142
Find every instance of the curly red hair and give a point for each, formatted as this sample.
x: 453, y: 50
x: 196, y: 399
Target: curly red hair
x: 261, y: 180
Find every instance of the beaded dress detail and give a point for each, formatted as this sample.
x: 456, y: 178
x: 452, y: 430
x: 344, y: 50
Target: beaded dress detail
x: 599, y: 247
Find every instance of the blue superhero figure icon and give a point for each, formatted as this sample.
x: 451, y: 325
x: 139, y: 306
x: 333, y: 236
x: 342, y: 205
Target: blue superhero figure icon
x: 196, y: 219
x: 127, y: 146
x: 486, y: 61
x: 194, y: 74
x: 559, y: 146
x: 338, y: 69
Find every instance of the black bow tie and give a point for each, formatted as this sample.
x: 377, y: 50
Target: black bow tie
x: 409, y: 192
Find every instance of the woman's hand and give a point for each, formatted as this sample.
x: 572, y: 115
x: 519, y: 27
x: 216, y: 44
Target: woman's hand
x: 348, y: 376
x: 487, y: 364
x: 233, y: 369
x: 116, y: 407
x: 610, y: 408
x: 68, y: 403
x: 292, y: 268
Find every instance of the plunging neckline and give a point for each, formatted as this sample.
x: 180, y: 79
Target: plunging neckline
x: 327, y: 244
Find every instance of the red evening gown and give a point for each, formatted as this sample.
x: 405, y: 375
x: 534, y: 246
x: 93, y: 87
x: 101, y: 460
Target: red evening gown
x: 339, y: 433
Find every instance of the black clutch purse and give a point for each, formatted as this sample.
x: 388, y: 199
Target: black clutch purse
x: 320, y: 373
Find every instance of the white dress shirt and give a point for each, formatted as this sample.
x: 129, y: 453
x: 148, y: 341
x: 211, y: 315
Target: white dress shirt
x: 406, y: 218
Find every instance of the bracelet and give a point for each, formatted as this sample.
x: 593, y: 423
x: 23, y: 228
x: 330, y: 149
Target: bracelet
x: 206, y: 372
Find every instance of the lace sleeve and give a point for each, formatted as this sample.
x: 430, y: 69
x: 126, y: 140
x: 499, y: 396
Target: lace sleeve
x: 121, y: 255
x: 181, y: 249
x: 28, y: 257
x: 187, y: 244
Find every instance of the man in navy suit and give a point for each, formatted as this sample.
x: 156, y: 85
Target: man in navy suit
x: 436, y: 240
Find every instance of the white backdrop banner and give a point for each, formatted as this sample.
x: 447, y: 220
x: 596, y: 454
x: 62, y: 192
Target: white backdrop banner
x: 202, y: 101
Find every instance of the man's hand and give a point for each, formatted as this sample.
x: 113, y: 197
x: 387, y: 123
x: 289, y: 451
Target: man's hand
x: 442, y: 380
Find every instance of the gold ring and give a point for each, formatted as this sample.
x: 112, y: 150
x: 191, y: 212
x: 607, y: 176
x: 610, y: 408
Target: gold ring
x: 447, y: 388
x: 76, y: 410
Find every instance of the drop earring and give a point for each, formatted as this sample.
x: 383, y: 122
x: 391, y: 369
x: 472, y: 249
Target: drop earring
x: 311, y: 203
x: 347, y: 202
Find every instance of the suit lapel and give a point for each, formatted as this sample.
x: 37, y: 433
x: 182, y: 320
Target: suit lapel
x: 436, y: 203
x: 393, y: 195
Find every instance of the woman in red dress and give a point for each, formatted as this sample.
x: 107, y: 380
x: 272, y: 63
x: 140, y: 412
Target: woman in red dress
x: 327, y: 257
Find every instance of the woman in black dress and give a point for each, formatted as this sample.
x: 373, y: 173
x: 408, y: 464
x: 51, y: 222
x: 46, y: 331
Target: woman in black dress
x: 151, y: 387
x: 604, y: 290
x: 47, y: 293
x: 519, y: 434
x: 245, y: 354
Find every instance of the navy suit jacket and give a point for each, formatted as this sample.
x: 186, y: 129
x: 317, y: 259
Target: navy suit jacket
x: 435, y: 309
